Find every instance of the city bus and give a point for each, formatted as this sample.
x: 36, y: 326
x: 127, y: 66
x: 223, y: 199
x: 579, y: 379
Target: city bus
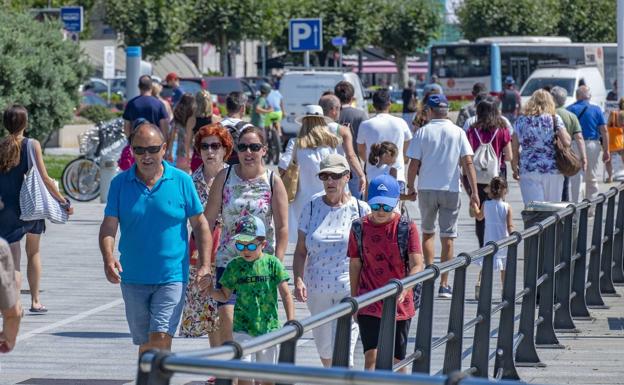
x: 458, y: 66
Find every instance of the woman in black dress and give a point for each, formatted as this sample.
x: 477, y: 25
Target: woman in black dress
x: 13, y: 167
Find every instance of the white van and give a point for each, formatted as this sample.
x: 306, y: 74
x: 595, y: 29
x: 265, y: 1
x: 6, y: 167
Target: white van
x: 569, y: 78
x: 300, y: 88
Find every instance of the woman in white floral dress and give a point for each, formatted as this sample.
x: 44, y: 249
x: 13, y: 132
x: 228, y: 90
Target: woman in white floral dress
x: 200, y: 316
x: 248, y: 188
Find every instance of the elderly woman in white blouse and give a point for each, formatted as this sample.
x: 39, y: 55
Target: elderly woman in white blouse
x: 320, y: 264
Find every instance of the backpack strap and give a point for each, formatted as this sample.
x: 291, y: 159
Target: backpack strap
x: 271, y: 174
x: 494, y: 136
x: 476, y: 131
x: 403, y: 233
x: 357, y: 229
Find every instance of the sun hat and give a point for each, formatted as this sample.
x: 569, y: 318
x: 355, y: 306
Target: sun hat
x: 248, y: 228
x: 384, y: 190
x: 313, y: 110
x: 334, y: 163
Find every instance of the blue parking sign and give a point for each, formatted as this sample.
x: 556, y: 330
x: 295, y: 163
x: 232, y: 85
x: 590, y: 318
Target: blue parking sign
x: 305, y: 35
x: 72, y: 18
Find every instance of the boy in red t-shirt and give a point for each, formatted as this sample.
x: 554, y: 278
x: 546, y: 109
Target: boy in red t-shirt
x: 381, y: 260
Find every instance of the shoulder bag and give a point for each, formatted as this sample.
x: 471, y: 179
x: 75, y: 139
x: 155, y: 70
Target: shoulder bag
x: 36, y: 202
x: 567, y: 161
x: 291, y: 176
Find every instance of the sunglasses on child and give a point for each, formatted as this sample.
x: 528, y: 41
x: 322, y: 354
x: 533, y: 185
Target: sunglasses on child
x: 216, y: 146
x: 248, y: 246
x: 324, y: 176
x: 142, y: 150
x: 254, y: 147
x: 379, y: 206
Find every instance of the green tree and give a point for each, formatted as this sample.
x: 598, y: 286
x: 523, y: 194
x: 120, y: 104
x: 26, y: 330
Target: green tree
x: 406, y: 26
x: 159, y: 27
x: 588, y: 20
x: 479, y: 18
x: 40, y: 71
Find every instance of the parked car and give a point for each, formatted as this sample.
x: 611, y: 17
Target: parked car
x: 99, y: 86
x: 188, y: 85
x: 255, y: 81
x: 222, y: 86
x: 300, y: 88
x: 568, y: 77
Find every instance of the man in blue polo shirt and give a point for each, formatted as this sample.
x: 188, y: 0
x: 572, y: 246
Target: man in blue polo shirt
x: 594, y: 132
x: 151, y: 203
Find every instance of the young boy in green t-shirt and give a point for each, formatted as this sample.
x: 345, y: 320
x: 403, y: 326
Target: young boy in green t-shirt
x: 254, y: 276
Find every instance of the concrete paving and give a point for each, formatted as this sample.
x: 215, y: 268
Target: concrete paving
x: 84, y: 338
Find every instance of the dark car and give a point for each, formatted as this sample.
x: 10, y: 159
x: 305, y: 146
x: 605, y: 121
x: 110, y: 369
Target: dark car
x: 188, y: 85
x: 222, y: 86
x: 256, y: 81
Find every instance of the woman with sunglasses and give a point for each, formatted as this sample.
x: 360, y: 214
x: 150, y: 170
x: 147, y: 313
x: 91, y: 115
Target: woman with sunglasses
x: 313, y: 143
x: 320, y: 268
x: 247, y: 188
x: 200, y: 317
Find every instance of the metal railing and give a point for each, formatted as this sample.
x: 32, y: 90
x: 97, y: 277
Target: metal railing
x: 563, y: 279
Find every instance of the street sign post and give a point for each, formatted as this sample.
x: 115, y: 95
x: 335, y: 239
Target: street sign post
x: 73, y: 19
x: 339, y: 41
x: 305, y: 35
x: 109, y: 68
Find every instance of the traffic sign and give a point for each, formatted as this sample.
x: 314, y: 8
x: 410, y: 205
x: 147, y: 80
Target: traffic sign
x: 109, y: 62
x: 72, y: 18
x: 305, y: 35
x: 339, y: 41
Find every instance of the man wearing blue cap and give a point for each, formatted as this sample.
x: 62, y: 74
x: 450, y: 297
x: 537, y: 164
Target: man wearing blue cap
x: 510, y: 100
x: 383, y: 246
x: 435, y: 152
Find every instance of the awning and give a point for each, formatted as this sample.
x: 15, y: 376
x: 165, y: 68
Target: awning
x: 386, y: 66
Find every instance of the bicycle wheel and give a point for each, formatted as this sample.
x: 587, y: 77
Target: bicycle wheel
x: 81, y: 179
x: 274, y: 144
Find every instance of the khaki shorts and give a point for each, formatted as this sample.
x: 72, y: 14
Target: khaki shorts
x: 443, y: 205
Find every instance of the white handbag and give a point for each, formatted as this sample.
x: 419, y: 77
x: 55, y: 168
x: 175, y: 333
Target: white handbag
x: 36, y: 202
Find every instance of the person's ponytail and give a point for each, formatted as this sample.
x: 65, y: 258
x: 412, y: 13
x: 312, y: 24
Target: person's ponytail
x: 375, y: 154
x: 10, y: 153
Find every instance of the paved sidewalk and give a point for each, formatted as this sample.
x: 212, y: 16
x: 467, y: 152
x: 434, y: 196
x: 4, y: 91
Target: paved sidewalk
x: 84, y: 337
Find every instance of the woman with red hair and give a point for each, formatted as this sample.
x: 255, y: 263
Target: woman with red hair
x: 200, y: 316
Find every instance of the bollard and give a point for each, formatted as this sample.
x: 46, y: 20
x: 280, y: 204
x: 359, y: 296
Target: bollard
x: 108, y: 170
x: 453, y: 352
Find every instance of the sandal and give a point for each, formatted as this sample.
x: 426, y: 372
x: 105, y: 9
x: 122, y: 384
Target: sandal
x: 41, y: 309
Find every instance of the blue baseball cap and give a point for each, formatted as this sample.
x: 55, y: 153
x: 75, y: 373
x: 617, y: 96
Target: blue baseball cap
x: 384, y: 190
x: 510, y: 80
x: 437, y: 101
x: 248, y: 228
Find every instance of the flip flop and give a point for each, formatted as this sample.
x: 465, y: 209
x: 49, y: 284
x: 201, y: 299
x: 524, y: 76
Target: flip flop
x: 42, y: 309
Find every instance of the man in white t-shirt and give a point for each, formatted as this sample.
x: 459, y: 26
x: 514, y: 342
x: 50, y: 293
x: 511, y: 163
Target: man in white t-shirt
x: 436, y: 152
x: 384, y: 128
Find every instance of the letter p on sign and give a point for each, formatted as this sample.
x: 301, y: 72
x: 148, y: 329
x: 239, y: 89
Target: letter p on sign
x: 305, y: 35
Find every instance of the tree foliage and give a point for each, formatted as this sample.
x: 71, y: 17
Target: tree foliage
x: 40, y: 71
x: 159, y: 27
x: 479, y: 18
x: 406, y: 26
x: 588, y: 20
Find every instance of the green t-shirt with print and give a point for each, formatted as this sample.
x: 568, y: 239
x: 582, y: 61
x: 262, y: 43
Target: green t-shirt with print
x: 255, y: 283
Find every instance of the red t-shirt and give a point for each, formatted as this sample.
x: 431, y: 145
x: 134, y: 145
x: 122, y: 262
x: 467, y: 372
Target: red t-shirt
x: 382, y: 261
x: 500, y: 141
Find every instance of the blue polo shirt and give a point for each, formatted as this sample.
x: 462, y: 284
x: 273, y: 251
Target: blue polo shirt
x: 591, y: 119
x: 154, y: 238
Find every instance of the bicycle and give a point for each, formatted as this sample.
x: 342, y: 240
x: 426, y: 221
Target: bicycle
x: 81, y: 176
x: 273, y: 146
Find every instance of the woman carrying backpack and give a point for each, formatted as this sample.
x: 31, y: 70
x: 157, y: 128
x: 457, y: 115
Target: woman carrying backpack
x: 491, y: 141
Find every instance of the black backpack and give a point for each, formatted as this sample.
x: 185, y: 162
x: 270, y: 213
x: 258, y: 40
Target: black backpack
x: 235, y: 131
x: 402, y: 240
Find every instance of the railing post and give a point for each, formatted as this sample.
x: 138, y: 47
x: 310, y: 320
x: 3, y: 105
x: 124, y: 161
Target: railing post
x: 159, y: 376
x: 481, y: 337
x: 618, y: 243
x: 288, y: 349
x: 526, y: 354
x: 504, y: 345
x: 578, y: 307
x: 592, y: 295
x: 545, y: 334
x: 453, y: 351
x: 342, y: 340
x: 238, y: 354
x: 563, y: 318
x: 387, y: 329
x: 606, y: 259
x: 424, y: 330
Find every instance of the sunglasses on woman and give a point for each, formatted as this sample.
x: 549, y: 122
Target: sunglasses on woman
x: 379, y: 206
x: 248, y: 246
x: 254, y: 147
x: 142, y: 150
x: 324, y: 176
x: 216, y: 146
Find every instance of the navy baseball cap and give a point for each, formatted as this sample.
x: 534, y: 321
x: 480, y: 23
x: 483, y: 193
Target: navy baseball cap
x: 437, y: 101
x: 384, y: 190
x: 510, y: 80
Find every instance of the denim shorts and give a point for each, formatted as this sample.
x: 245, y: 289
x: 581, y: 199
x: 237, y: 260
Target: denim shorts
x: 153, y: 308
x: 232, y: 299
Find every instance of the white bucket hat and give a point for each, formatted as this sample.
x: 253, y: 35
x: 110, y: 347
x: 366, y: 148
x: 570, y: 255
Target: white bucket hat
x: 313, y: 110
